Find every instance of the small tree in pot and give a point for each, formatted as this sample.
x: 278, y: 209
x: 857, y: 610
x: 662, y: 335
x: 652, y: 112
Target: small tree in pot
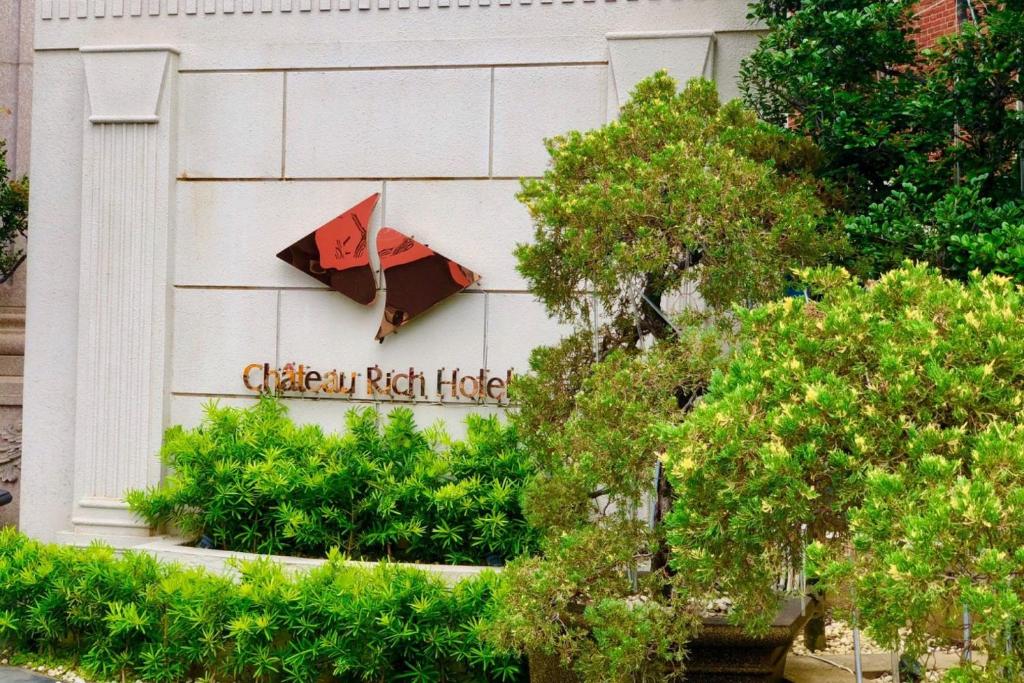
x: 679, y: 192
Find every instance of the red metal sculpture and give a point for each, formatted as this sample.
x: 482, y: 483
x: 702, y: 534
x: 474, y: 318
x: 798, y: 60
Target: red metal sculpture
x: 417, y: 277
x: 337, y: 253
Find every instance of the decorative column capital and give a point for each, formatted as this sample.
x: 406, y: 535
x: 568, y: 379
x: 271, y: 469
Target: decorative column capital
x: 635, y: 56
x: 125, y: 83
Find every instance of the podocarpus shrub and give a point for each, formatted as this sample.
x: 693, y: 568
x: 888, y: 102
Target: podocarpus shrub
x: 133, y: 617
x: 250, y: 479
x: 882, y: 426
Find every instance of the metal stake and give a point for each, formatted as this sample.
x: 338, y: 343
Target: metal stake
x: 967, y: 635
x: 803, y: 569
x: 858, y: 665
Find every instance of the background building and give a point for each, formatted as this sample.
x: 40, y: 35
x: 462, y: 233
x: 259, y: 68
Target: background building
x: 15, y: 112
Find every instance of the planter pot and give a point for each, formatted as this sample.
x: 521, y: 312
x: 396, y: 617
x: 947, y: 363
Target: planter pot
x: 721, y: 653
x: 170, y: 549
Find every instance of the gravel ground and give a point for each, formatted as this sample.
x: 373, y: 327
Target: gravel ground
x: 839, y: 641
x: 928, y: 676
x: 58, y: 673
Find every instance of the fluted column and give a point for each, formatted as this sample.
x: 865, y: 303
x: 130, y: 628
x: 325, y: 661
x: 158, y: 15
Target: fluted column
x: 127, y: 189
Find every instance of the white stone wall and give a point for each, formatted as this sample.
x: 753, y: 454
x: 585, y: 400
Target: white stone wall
x: 220, y: 131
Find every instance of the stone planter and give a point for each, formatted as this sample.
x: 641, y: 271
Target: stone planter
x: 721, y: 653
x: 170, y: 549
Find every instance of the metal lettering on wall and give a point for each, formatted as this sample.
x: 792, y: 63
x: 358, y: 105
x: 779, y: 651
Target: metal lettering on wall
x: 408, y: 384
x: 416, y: 277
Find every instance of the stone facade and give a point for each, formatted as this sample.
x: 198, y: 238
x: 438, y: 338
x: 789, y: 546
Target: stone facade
x: 15, y: 112
x: 16, y: 80
x: 178, y: 145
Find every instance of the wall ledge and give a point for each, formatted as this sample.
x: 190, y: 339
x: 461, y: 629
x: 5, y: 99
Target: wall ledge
x: 113, y: 9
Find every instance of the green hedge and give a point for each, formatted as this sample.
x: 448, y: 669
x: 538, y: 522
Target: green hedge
x: 251, y: 479
x: 133, y: 617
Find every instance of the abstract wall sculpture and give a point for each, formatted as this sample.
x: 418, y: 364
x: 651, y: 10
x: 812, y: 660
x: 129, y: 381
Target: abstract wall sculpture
x: 337, y: 253
x: 416, y: 278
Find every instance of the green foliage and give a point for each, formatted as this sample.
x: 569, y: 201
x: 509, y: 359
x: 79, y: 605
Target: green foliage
x: 940, y: 532
x: 958, y: 230
x: 251, y: 479
x: 679, y: 188
x: 582, y: 599
x: 133, y: 617
x: 900, y: 129
x: 820, y: 63
x: 680, y: 191
x: 13, y: 218
x: 886, y: 419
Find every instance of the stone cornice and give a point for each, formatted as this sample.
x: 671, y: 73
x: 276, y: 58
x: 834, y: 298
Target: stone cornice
x: 112, y: 9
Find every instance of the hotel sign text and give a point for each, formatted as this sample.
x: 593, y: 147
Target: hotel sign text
x: 376, y: 384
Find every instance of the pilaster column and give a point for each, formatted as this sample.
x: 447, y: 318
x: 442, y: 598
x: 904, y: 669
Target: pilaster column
x: 127, y: 214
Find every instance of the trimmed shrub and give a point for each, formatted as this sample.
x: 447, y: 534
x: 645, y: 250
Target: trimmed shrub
x: 939, y: 535
x: 881, y: 425
x: 250, y: 479
x: 133, y: 617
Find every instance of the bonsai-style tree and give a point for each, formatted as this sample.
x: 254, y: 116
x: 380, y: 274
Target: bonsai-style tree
x: 680, y: 191
x: 926, y: 145
x: 880, y: 425
x: 13, y: 218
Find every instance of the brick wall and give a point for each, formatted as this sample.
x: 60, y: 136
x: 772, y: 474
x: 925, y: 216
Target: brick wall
x: 936, y: 18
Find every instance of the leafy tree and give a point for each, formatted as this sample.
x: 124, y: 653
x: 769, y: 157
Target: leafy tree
x: 885, y: 420
x: 971, y: 92
x: 680, y: 191
x: 13, y: 218
x: 819, y: 68
x: 901, y: 129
